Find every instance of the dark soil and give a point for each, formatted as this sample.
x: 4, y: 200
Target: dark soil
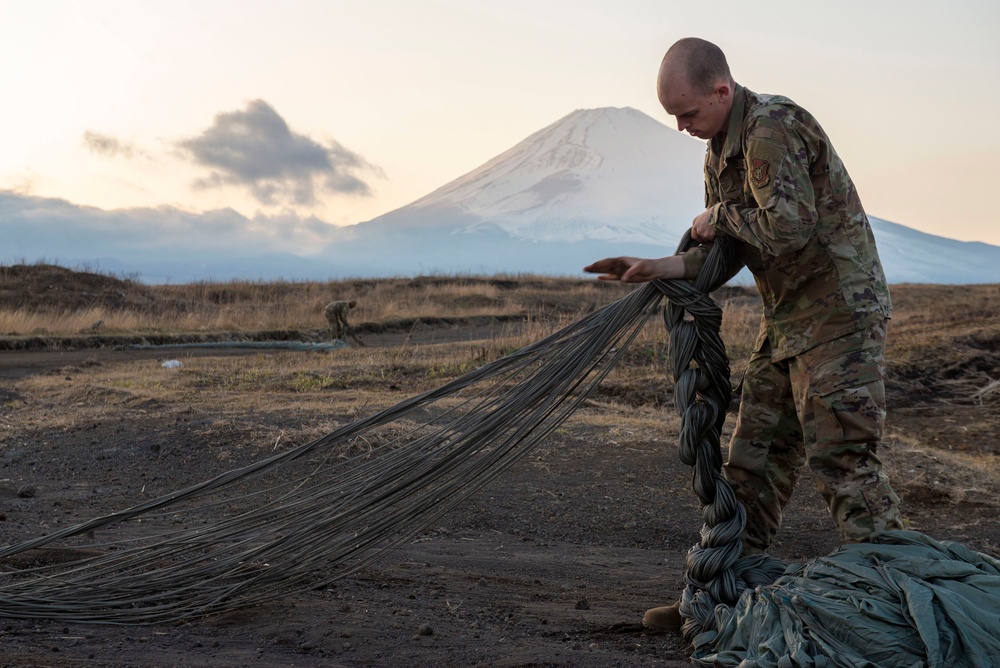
x: 553, y: 564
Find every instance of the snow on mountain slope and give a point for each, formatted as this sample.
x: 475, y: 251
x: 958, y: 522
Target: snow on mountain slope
x: 595, y: 183
x: 594, y: 174
x: 911, y: 256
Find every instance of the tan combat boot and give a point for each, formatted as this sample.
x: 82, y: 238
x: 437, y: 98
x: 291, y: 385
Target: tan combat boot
x: 663, y: 619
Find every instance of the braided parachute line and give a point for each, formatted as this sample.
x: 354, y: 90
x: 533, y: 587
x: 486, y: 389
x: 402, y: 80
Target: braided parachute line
x: 904, y: 599
x: 717, y: 571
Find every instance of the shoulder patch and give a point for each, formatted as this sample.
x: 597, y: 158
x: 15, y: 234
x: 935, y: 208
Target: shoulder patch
x: 764, y: 159
x: 758, y: 172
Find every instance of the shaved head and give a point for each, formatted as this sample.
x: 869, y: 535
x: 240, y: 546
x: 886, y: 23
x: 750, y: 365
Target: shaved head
x: 695, y: 62
x: 695, y: 87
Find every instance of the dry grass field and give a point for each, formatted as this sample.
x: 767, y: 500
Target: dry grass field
x: 551, y: 565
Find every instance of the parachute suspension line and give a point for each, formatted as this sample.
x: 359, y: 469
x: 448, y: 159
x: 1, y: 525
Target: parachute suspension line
x: 717, y: 571
x: 314, y: 514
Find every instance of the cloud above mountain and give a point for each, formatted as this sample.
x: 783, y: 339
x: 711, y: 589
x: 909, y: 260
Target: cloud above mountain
x: 110, y: 146
x: 255, y: 148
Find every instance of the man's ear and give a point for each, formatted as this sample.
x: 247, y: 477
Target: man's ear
x: 723, y: 91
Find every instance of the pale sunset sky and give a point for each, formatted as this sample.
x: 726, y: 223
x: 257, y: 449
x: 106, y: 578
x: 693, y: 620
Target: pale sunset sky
x: 133, y: 103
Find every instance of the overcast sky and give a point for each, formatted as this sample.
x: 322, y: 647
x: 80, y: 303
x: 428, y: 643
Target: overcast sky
x: 344, y: 109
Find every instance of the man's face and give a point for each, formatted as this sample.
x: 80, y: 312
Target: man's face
x: 701, y: 115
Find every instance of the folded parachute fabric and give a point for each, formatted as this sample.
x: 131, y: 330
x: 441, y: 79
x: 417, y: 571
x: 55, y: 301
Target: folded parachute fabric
x: 905, y: 600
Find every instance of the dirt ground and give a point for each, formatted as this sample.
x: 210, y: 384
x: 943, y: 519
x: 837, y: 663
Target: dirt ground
x: 552, y: 564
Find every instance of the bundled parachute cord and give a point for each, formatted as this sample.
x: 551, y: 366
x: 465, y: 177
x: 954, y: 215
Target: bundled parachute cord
x: 717, y: 572
x: 309, y: 516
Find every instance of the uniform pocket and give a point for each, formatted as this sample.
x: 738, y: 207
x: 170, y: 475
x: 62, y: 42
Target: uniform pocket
x: 840, y: 391
x: 879, y: 496
x: 851, y: 361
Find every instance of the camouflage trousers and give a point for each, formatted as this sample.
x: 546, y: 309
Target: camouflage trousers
x: 824, y: 407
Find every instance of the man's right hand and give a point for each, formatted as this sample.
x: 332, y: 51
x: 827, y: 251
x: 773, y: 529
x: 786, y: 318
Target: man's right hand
x: 637, y: 270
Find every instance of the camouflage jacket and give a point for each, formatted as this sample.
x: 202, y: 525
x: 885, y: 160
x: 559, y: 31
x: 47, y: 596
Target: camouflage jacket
x: 780, y: 189
x: 337, y: 309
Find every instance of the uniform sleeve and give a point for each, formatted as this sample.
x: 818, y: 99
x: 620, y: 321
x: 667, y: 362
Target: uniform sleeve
x: 777, y: 175
x: 694, y: 260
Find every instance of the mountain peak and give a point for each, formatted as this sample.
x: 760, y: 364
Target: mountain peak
x: 603, y: 111
x: 608, y: 164
x: 596, y: 183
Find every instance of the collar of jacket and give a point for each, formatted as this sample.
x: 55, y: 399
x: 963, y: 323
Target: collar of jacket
x: 734, y: 140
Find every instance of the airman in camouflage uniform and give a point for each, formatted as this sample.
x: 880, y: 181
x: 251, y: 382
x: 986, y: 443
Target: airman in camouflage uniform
x: 813, y: 391
x: 336, y: 315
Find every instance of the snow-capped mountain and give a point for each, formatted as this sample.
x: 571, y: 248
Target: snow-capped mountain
x: 597, y: 182
x: 600, y: 174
